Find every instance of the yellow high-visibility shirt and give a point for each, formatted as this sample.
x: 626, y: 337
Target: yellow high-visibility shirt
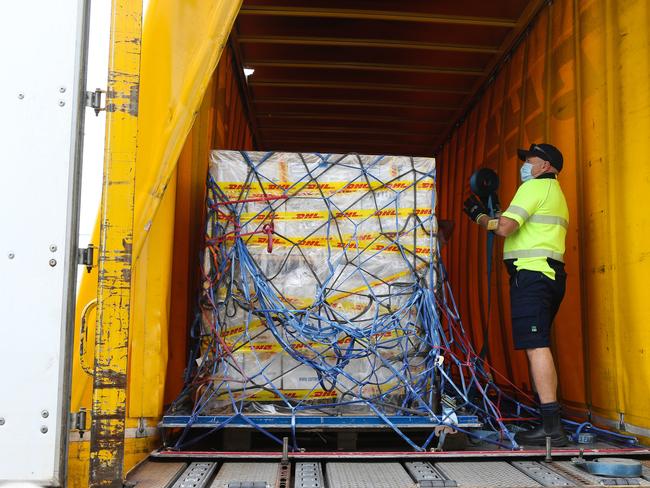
x: 540, y: 209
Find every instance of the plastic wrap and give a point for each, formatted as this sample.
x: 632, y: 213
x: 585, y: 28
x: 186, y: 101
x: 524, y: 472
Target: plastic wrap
x: 313, y: 271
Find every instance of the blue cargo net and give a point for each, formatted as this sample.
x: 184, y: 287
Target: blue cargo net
x: 323, y: 295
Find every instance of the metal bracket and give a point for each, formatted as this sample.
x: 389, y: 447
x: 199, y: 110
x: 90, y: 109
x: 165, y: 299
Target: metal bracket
x: 441, y: 431
x: 427, y: 476
x: 621, y: 421
x: 141, y: 430
x: 197, y: 475
x: 283, y: 478
x: 542, y: 473
x: 94, y: 100
x: 85, y: 256
x: 248, y: 484
x: 78, y: 421
x: 309, y: 475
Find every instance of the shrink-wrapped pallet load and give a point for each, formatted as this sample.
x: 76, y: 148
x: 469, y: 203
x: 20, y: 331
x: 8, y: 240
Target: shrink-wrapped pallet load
x: 314, y: 268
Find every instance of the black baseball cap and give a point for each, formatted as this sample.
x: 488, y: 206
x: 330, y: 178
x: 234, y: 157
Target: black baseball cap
x: 545, y: 151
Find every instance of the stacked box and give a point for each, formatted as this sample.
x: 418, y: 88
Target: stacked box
x: 313, y: 275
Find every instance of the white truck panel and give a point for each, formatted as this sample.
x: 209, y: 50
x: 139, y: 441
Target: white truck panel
x: 41, y: 95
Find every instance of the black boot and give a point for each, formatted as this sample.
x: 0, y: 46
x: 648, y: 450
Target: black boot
x: 551, y: 426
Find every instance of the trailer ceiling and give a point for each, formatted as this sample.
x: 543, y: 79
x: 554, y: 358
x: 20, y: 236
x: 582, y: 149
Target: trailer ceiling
x: 369, y: 75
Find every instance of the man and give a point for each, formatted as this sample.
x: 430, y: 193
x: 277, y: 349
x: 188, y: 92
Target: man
x: 534, y: 227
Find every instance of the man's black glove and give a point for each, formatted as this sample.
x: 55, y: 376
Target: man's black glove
x: 474, y: 208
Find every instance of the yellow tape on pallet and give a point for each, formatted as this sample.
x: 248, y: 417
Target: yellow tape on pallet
x: 262, y: 347
x: 323, y: 215
x: 375, y: 244
x: 235, y: 189
x: 268, y: 395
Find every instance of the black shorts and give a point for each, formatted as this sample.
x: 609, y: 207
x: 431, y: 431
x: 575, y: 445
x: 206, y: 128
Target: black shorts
x: 534, y: 301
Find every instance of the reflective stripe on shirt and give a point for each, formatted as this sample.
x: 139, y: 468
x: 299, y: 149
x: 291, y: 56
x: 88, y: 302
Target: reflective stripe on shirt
x: 540, y: 219
x: 518, y: 211
x: 534, y: 253
x: 549, y: 219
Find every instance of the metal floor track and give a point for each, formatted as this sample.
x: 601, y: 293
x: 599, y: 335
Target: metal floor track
x: 345, y: 473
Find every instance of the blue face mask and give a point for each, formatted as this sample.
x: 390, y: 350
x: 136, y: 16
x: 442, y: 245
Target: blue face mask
x: 526, y: 171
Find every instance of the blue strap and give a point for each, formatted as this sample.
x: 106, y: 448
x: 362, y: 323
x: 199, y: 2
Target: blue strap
x: 489, y: 252
x: 615, y: 467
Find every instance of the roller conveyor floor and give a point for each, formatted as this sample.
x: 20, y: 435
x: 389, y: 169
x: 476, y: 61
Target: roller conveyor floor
x: 385, y: 473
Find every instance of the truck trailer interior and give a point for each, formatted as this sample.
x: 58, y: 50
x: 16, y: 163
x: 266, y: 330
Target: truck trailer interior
x: 464, y: 82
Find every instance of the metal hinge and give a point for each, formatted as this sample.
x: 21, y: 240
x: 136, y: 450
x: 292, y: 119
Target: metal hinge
x: 94, y: 100
x: 141, y: 430
x: 85, y: 256
x: 78, y: 421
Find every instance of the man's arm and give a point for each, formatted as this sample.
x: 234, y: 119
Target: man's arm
x: 505, y: 226
x: 502, y: 226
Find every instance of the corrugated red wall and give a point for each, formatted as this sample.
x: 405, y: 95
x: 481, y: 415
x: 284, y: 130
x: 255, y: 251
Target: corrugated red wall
x: 578, y: 80
x: 220, y: 124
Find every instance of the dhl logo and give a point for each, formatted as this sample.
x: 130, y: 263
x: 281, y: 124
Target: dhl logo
x: 313, y: 242
x: 234, y: 186
x: 381, y: 247
x: 385, y: 213
x: 308, y: 215
x: 347, y: 245
x: 320, y: 186
x: 234, y: 331
x: 398, y: 184
x: 239, y: 329
x: 257, y: 239
x: 349, y: 214
x: 308, y: 394
x: 264, y: 347
x: 260, y: 216
x: 277, y: 186
x: 425, y: 185
x: 359, y: 186
x: 385, y: 335
x: 323, y: 394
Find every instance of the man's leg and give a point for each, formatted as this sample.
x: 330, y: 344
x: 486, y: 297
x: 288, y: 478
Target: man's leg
x: 542, y: 369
